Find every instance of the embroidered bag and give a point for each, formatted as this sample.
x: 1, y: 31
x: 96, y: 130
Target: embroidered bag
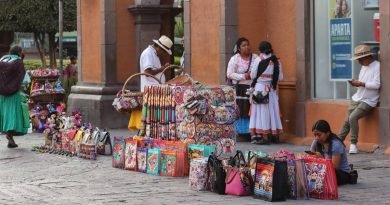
x: 168, y: 163
x: 199, y: 151
x: 321, y: 178
x: 118, y: 154
x: 154, y: 161
x: 142, y: 154
x: 271, y: 179
x: 302, y: 191
x: 131, y: 154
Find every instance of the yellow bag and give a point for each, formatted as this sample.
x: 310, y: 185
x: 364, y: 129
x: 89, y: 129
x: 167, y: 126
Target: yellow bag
x: 79, y: 135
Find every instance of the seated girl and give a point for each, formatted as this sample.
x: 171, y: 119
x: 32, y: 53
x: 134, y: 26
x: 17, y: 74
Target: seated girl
x: 328, y: 145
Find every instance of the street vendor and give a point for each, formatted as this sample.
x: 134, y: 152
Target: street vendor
x: 150, y: 61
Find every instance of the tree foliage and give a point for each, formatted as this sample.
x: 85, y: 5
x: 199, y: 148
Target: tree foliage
x: 39, y: 17
x: 36, y: 16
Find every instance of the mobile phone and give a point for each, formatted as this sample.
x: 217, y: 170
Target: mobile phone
x: 310, y: 152
x: 350, y: 81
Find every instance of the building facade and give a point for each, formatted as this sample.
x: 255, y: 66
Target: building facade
x: 303, y: 33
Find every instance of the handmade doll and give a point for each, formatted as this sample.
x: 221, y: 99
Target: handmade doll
x: 48, y: 85
x: 60, y: 108
x: 51, y: 108
x: 58, y: 88
x: 35, y: 87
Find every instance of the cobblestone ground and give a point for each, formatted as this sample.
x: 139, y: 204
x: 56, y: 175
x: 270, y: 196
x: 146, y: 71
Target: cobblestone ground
x: 32, y: 178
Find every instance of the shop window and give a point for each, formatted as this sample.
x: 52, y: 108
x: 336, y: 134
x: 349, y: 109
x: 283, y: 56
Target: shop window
x: 339, y: 26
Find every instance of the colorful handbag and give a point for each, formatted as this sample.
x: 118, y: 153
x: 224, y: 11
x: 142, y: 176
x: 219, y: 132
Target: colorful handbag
x: 200, y: 150
x: 118, y: 154
x: 142, y: 154
x: 168, y: 163
x: 127, y: 100
x: 271, y: 179
x: 292, y: 179
x: 131, y: 154
x: 302, y: 191
x: 198, y: 174
x: 154, y: 161
x: 103, y: 145
x: 321, y: 178
x: 239, y: 181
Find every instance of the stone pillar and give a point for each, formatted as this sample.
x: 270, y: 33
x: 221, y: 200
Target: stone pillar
x: 97, y: 85
x: 303, y: 82
x: 384, y: 108
x: 187, y: 35
x: 229, y: 34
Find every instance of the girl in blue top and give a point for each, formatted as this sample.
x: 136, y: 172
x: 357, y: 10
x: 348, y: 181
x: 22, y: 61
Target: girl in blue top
x: 328, y: 145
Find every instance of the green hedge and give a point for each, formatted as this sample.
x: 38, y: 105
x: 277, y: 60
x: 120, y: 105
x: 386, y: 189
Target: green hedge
x: 36, y: 64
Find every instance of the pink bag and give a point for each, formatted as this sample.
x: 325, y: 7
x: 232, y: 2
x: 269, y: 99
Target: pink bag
x: 238, y: 182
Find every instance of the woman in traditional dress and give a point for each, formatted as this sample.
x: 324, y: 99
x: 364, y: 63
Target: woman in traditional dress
x: 265, y: 117
x: 14, y: 116
x: 238, y: 75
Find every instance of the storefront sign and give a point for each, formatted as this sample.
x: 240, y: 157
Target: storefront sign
x: 340, y: 32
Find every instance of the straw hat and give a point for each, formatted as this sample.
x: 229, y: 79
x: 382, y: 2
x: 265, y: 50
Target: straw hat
x: 361, y: 51
x: 165, y: 43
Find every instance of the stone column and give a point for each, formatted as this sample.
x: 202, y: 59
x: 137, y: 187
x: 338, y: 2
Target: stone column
x: 303, y: 82
x: 228, y: 33
x: 384, y: 108
x: 187, y: 35
x: 97, y: 86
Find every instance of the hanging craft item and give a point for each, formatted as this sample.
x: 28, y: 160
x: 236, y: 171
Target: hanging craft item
x: 127, y: 100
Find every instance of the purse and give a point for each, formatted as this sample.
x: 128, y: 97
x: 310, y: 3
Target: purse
x: 198, y: 174
x: 239, y: 181
x: 131, y: 154
x: 103, y: 146
x: 271, y: 181
x: 126, y: 100
x: 118, y: 155
x: 216, y: 175
x: 261, y: 98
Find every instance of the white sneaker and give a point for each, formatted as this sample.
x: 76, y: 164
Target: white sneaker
x: 353, y: 149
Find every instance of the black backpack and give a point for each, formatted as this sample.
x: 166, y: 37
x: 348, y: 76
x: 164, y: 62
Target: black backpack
x: 11, y: 76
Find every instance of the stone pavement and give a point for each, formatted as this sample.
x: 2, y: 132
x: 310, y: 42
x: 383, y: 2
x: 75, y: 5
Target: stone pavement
x: 32, y: 178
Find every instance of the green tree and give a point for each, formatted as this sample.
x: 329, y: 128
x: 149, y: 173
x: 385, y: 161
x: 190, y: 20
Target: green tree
x: 39, y: 17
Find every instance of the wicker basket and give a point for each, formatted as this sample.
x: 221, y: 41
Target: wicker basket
x: 126, y: 100
x: 180, y: 80
x: 47, y: 97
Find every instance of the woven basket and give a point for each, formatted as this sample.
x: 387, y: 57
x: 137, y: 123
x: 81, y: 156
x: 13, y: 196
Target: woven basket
x: 180, y: 80
x: 127, y: 100
x: 47, y: 97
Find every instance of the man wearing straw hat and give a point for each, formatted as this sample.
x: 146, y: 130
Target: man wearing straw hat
x: 366, y: 96
x: 150, y: 60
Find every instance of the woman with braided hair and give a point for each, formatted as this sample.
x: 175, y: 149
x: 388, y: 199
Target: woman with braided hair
x: 265, y: 123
